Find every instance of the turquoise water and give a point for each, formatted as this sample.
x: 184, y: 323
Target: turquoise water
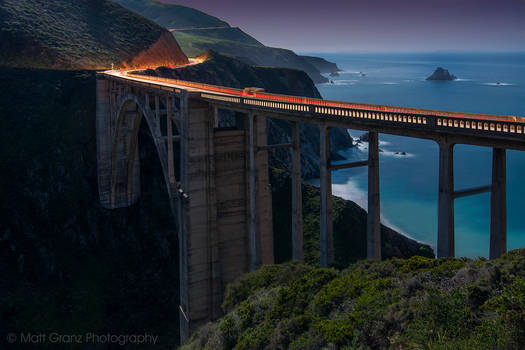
x: 409, y: 183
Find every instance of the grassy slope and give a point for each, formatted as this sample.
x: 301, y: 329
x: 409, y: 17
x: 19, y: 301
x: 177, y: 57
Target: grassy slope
x: 194, y: 41
x: 71, y: 34
x: 418, y: 303
x: 172, y: 16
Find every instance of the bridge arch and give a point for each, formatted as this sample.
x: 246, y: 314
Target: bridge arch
x: 130, y: 111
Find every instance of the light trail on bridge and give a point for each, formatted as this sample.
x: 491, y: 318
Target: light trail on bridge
x: 132, y: 75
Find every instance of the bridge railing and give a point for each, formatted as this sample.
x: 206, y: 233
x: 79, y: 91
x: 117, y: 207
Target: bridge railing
x: 329, y: 103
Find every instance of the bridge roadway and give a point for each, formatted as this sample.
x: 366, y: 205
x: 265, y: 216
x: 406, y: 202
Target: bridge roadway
x: 117, y: 90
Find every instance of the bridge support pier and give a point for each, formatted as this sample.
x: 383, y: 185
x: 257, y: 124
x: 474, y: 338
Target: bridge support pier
x: 200, y: 284
x: 104, y: 141
x: 373, y: 227
x: 325, y: 184
x: 255, y: 237
x: 446, y: 200
x: 297, y: 205
x: 260, y: 227
x: 498, y: 204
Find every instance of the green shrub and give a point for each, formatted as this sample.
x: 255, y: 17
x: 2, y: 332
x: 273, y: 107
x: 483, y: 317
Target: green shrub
x: 292, y: 300
x: 267, y: 276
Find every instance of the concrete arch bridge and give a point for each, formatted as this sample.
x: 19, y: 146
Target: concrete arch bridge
x: 217, y: 179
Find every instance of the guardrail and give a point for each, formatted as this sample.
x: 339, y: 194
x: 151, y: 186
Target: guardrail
x: 423, y: 117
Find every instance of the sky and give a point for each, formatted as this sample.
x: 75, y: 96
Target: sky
x: 376, y: 25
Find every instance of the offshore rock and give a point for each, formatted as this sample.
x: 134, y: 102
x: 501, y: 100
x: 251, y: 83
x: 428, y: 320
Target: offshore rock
x: 442, y: 74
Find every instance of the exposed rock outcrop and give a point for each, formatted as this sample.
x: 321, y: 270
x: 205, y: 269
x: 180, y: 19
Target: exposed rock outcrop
x: 164, y: 52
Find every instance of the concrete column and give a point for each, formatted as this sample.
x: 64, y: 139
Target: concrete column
x: 264, y: 195
x: 184, y: 213
x: 255, y: 239
x: 104, y: 141
x: 297, y: 204
x: 232, y: 192
x: 157, y: 115
x: 446, y: 201
x: 498, y: 204
x: 373, y: 227
x: 215, y: 117
x: 169, y: 132
x: 327, y: 245
x: 200, y: 300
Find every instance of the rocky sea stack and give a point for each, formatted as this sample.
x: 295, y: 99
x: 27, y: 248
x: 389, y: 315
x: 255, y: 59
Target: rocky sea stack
x: 441, y: 74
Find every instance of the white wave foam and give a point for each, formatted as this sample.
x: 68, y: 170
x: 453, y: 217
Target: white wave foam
x: 398, y: 154
x: 498, y: 84
x: 390, y: 83
x: 341, y: 82
x: 363, y: 147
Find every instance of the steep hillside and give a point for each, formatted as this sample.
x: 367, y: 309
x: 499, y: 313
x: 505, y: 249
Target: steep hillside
x: 67, y: 264
x: 172, y: 16
x: 218, y: 36
x: 63, y: 34
x: 193, y: 40
x: 418, y: 303
x: 194, y: 43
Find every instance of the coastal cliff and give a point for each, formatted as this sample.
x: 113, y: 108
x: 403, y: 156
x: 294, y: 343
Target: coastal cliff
x: 323, y: 65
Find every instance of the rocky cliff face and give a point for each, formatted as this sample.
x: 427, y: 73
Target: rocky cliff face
x: 225, y: 71
x: 322, y: 65
x: 63, y: 34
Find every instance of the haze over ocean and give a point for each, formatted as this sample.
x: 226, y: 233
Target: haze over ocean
x: 409, y: 184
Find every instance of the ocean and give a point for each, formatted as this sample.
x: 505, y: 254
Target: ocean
x: 491, y: 83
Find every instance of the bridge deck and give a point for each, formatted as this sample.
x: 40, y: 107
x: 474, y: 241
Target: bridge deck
x: 468, y: 128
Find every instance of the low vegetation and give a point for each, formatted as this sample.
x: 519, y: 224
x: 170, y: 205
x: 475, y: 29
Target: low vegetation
x: 415, y: 303
x: 171, y: 15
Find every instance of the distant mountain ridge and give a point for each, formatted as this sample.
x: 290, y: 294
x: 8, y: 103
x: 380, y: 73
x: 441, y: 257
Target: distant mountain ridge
x: 199, y: 31
x: 64, y: 34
